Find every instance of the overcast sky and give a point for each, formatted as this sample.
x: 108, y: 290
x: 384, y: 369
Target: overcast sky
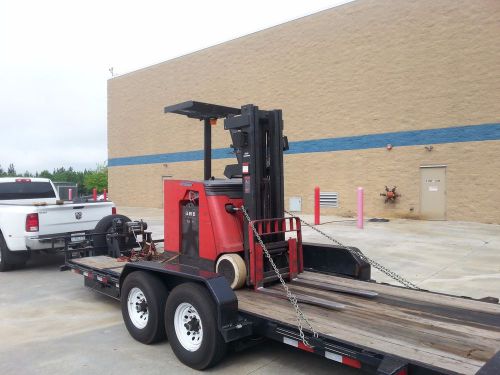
x: 55, y: 58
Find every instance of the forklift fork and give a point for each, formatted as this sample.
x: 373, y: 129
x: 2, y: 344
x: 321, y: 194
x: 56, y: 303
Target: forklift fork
x: 286, y: 253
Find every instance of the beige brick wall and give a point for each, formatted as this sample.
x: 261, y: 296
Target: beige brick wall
x: 371, y: 66
x: 472, y: 179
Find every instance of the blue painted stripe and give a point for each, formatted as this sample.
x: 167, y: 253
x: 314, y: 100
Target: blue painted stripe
x: 468, y: 133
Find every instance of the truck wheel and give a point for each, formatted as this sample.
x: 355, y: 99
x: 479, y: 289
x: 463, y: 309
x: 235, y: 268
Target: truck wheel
x: 143, y: 298
x: 11, y: 259
x: 191, y: 324
x: 104, y: 226
x: 4, y: 266
x: 233, y: 268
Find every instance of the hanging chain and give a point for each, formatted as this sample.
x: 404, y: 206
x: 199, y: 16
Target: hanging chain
x: 291, y: 297
x: 358, y: 253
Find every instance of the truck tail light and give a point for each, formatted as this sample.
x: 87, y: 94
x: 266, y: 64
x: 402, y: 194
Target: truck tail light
x: 113, y: 210
x: 32, y: 223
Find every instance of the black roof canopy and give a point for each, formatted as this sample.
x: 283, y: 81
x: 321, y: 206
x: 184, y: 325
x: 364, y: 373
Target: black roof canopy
x: 202, y: 111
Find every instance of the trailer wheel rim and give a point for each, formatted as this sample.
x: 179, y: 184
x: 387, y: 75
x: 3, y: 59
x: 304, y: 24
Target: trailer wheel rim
x: 137, y: 308
x: 188, y: 327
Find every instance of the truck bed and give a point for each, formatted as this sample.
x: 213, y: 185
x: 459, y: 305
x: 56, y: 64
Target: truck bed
x: 450, y: 333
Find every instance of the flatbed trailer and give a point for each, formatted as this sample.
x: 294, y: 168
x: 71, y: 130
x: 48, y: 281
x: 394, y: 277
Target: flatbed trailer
x: 396, y: 331
x: 235, y: 269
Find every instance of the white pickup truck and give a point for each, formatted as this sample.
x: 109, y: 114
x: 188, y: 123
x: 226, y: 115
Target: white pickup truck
x: 32, y: 216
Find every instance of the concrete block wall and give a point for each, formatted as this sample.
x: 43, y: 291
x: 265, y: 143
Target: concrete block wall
x: 367, y: 67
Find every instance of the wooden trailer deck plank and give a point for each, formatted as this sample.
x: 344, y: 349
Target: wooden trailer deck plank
x: 407, y: 325
x: 340, y: 325
x: 445, y: 331
x: 416, y: 296
x: 101, y: 263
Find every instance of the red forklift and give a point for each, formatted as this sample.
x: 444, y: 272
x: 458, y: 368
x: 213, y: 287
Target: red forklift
x: 234, y: 271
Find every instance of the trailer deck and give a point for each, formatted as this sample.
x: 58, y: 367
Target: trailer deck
x: 452, y: 334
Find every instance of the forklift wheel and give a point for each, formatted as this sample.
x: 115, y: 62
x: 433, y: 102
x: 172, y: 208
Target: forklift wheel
x: 191, y: 325
x: 233, y: 268
x: 143, y: 298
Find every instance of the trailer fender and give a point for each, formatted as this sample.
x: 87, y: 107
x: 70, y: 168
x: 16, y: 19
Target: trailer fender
x: 231, y: 325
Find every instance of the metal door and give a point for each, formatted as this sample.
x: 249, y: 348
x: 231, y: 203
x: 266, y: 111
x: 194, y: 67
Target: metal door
x: 433, y: 192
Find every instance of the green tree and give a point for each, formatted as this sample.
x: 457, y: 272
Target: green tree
x: 11, y: 171
x: 45, y: 174
x: 96, y: 179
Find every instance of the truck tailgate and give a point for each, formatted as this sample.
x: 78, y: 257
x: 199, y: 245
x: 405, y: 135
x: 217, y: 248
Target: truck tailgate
x: 73, y: 217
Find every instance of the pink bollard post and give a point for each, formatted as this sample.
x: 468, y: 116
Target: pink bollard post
x: 94, y: 194
x: 70, y: 194
x: 105, y: 194
x: 360, y: 208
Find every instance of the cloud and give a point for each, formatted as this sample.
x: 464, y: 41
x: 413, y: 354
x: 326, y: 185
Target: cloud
x: 56, y: 55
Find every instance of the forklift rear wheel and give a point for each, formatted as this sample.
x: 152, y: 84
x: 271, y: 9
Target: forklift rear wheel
x: 143, y: 298
x: 191, y: 325
x: 233, y: 268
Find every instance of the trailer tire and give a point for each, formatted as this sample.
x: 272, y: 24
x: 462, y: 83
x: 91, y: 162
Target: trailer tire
x: 143, y: 298
x: 191, y: 325
x: 104, y: 226
x: 233, y: 268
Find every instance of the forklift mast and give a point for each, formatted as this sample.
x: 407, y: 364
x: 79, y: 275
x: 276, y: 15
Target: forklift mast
x: 258, y: 143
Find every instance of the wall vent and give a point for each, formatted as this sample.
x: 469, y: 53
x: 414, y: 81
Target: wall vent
x: 329, y: 199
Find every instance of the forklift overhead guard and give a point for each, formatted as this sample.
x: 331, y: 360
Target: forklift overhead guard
x: 202, y: 111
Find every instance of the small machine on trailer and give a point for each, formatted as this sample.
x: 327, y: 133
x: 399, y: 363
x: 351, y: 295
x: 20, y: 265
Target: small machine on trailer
x: 234, y: 268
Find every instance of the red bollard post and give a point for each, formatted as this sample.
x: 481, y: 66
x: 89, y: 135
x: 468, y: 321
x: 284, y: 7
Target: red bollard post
x: 105, y: 194
x: 94, y: 194
x: 316, y: 205
x: 70, y: 194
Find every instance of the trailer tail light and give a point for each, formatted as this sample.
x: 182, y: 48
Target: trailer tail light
x: 102, y: 279
x: 32, y: 223
x: 113, y: 211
